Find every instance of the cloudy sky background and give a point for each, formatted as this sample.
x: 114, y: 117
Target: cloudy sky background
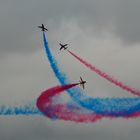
x: 106, y: 33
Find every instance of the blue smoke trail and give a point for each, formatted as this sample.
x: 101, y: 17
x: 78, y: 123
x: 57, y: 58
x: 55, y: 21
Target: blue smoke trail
x: 20, y: 110
x: 118, y: 107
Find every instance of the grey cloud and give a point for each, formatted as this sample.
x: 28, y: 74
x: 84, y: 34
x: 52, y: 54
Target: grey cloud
x: 25, y: 71
x: 127, y: 21
x: 39, y: 128
x: 37, y: 76
x: 20, y: 18
x: 24, y: 128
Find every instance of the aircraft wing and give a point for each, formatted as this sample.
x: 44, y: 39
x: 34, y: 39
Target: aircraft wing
x: 81, y: 79
x: 61, y: 48
x: 83, y: 86
x: 46, y: 29
x: 65, y: 45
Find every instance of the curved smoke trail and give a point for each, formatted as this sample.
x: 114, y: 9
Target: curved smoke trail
x: 117, y: 107
x: 106, y: 76
x: 69, y: 111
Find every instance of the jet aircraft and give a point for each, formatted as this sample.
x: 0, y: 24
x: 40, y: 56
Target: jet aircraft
x: 43, y: 28
x: 63, y: 46
x: 81, y: 82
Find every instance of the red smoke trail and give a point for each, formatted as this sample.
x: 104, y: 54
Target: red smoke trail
x: 68, y: 112
x: 52, y: 110
x: 106, y: 76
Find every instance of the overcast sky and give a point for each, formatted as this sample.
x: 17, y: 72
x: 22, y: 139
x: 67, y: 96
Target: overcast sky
x: 106, y: 33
